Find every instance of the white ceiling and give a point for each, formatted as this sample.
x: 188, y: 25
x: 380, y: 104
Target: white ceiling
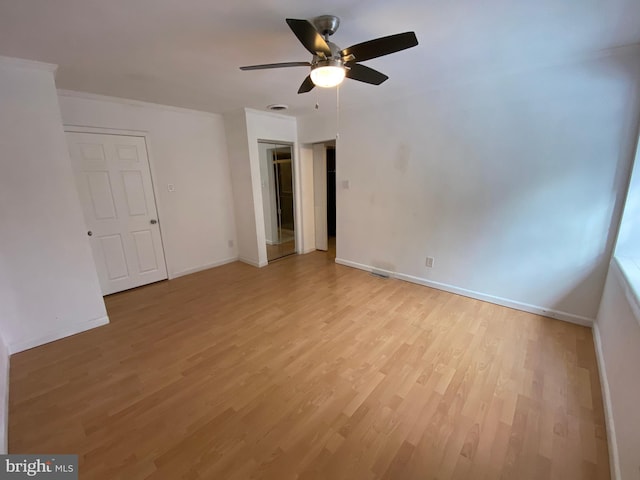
x: 187, y: 52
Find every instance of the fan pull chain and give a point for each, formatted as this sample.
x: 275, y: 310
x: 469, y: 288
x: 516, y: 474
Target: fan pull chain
x: 338, y: 112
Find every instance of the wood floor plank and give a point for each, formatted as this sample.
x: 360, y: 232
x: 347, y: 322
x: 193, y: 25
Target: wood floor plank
x: 306, y: 369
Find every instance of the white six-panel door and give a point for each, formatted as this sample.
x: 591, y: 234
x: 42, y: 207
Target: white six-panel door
x: 114, y: 182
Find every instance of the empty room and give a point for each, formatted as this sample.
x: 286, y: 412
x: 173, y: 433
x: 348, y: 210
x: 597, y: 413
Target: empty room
x: 301, y: 240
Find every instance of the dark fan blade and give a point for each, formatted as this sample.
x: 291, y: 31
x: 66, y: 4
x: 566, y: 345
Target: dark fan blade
x: 307, y: 85
x: 276, y: 65
x: 365, y: 74
x: 309, y: 37
x: 380, y: 46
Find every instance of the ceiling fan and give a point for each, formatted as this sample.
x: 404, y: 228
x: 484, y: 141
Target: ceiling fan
x: 330, y: 64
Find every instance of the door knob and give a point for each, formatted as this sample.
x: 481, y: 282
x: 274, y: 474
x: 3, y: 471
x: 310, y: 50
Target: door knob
x: 153, y: 221
x: 89, y: 233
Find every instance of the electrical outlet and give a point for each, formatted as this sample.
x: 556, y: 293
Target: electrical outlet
x: 429, y: 262
x: 171, y: 187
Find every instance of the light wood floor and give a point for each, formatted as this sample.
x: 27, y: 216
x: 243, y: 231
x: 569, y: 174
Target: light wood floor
x: 307, y: 369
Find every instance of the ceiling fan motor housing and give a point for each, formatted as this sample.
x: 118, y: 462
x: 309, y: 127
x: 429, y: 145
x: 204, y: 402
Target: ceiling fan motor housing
x: 326, y: 25
x: 335, y: 57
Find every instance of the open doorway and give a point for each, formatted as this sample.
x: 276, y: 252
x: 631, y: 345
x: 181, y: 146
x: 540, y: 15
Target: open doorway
x: 324, y: 186
x: 331, y: 200
x: 276, y: 172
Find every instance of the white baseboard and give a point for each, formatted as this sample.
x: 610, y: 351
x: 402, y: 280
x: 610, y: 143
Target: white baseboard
x: 614, y: 457
x: 253, y: 263
x: 189, y: 271
x: 505, y: 302
x: 62, y: 332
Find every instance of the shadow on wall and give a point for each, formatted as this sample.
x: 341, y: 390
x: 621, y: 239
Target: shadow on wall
x: 515, y: 186
x: 594, y: 193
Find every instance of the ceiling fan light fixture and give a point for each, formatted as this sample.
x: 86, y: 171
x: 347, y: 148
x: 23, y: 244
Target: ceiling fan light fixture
x: 329, y: 64
x: 328, y: 73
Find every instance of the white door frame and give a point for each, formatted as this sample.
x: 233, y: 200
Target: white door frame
x: 154, y: 187
x: 320, y: 195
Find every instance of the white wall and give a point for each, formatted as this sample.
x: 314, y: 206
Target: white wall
x: 243, y: 187
x: 48, y: 285
x: 4, y: 395
x: 628, y: 242
x: 512, y: 184
x: 8, y: 315
x: 187, y: 149
x: 617, y: 336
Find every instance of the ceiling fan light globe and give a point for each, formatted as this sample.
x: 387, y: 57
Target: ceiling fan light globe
x: 327, y: 76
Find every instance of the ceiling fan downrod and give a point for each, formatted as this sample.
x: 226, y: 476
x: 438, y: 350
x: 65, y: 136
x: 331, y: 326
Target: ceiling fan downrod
x: 326, y: 25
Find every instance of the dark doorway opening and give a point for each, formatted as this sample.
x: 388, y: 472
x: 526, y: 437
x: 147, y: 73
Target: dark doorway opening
x: 331, y: 191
